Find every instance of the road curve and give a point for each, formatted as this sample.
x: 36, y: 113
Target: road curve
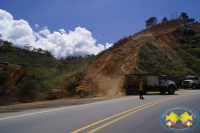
x: 123, y: 115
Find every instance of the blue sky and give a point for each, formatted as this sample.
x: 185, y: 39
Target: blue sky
x: 107, y: 20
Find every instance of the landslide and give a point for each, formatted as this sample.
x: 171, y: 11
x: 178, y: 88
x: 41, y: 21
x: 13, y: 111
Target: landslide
x: 149, y: 51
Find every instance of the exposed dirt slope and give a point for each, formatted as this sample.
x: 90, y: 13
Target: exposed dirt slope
x: 196, y: 26
x: 118, y: 62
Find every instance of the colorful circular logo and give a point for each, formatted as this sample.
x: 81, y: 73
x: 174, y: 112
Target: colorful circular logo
x: 179, y: 118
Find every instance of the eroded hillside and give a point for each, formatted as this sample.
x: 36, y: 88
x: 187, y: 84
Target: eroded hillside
x: 124, y: 59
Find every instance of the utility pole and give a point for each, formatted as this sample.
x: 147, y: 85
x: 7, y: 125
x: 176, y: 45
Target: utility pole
x: 176, y: 15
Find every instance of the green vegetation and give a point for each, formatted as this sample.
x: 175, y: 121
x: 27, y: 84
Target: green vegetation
x: 154, y: 60
x: 157, y: 61
x: 164, y: 19
x: 151, y: 21
x: 44, y: 72
x: 185, y: 18
x: 184, y: 30
x: 189, y: 49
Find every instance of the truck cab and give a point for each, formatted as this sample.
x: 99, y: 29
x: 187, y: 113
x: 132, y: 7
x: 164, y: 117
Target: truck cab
x: 166, y: 83
x: 191, y: 82
x: 163, y: 79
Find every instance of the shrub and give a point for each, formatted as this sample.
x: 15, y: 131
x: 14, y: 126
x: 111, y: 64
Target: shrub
x: 154, y: 60
x: 28, y: 91
x: 184, y: 30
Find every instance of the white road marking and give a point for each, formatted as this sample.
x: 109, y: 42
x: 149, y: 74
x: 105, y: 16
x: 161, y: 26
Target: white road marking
x: 66, y: 108
x: 60, y: 109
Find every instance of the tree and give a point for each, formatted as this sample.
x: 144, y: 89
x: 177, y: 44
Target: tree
x: 34, y: 50
x: 151, y: 21
x: 61, y: 59
x: 190, y: 21
x: 7, y: 45
x: 39, y: 50
x: 27, y: 47
x: 164, y: 20
x: 184, y: 17
x: 48, y: 53
x: 1, y: 41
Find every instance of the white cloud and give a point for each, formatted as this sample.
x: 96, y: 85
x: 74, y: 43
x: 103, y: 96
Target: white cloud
x: 62, y: 31
x: 45, y: 31
x: 17, y: 31
x: 59, y: 43
x: 108, y: 45
x: 36, y: 25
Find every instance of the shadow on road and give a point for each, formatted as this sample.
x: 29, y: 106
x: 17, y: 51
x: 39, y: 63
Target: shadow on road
x: 152, y: 93
x: 191, y: 89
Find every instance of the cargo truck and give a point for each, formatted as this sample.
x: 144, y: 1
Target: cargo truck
x: 151, y: 82
x: 191, y: 81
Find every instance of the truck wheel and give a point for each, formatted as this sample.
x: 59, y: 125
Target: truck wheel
x: 81, y: 94
x: 171, y: 90
x: 193, y: 86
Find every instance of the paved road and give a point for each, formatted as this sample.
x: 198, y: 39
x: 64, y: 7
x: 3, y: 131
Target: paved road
x: 123, y: 115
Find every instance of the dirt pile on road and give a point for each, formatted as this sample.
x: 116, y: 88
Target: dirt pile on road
x: 123, y: 59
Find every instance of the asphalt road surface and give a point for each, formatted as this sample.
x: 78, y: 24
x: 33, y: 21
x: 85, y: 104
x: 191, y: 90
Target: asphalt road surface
x: 123, y: 115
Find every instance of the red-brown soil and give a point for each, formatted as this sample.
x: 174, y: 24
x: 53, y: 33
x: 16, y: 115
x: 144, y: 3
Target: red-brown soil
x: 122, y: 60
